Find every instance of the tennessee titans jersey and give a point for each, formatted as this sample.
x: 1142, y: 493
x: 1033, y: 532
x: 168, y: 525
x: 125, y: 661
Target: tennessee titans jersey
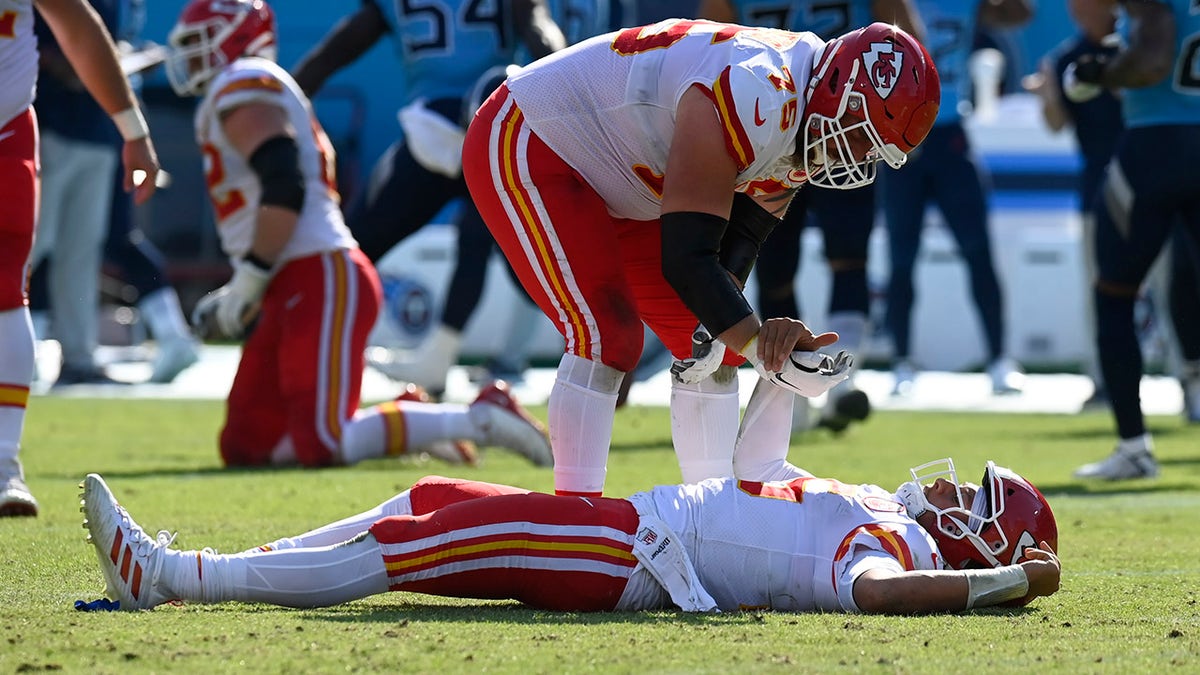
x: 827, y: 18
x: 950, y: 29
x: 444, y: 46
x: 1175, y: 100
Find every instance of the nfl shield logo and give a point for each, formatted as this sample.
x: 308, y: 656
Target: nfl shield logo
x: 647, y: 536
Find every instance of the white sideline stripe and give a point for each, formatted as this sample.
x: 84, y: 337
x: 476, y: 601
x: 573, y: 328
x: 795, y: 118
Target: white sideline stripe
x: 932, y: 391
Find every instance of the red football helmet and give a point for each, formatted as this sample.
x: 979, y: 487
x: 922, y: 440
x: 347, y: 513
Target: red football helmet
x: 874, y: 94
x: 211, y: 34
x: 1007, y: 516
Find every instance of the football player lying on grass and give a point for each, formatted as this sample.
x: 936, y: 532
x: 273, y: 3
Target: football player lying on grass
x: 807, y: 543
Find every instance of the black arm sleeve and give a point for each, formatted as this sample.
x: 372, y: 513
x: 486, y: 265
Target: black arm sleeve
x: 690, y: 263
x: 749, y: 225
x: 277, y: 163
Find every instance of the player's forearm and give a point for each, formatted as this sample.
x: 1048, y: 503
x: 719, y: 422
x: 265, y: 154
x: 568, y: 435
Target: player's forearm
x: 903, y: 13
x: 1005, y: 13
x: 272, y: 232
x: 540, y: 34
x: 85, y: 43
x: 349, y: 40
x: 925, y: 592
x: 1151, y: 52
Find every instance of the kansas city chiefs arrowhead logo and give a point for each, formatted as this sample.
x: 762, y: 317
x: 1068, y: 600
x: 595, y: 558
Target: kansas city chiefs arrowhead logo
x: 883, y: 64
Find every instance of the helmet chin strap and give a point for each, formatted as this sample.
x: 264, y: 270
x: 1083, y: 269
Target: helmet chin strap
x: 913, y: 496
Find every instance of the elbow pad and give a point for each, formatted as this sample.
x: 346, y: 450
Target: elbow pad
x: 690, y: 263
x: 749, y: 225
x: 276, y: 162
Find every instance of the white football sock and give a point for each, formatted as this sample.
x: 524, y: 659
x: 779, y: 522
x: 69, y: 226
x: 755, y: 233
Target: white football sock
x: 345, y: 529
x: 164, y: 316
x: 306, y: 577
x: 704, y: 425
x: 851, y: 328
x: 582, y: 407
x: 400, y: 427
x: 16, y: 372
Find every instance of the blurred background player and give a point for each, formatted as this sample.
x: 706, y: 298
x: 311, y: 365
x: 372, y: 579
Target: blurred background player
x: 302, y: 294
x: 446, y: 56
x: 621, y: 205
x: 945, y: 171
x: 90, y: 50
x: 845, y: 217
x: 1150, y: 186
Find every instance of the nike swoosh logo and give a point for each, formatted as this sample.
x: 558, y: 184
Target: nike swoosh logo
x: 6, y: 134
x: 759, y: 120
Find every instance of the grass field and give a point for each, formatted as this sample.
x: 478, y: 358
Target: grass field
x: 1129, y: 602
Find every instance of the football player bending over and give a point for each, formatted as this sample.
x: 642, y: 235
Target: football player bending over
x: 933, y: 545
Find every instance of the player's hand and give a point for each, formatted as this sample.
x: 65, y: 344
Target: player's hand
x: 1082, y: 78
x: 227, y: 311
x: 141, y: 164
x: 810, y: 374
x: 779, y: 337
x: 1043, y: 570
x: 707, y: 355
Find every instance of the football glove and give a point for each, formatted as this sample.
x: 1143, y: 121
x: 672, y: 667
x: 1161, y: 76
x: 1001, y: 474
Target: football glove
x: 809, y: 374
x: 225, y: 312
x: 707, y: 355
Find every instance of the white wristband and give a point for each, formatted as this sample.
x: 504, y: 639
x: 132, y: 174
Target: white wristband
x: 996, y: 585
x: 131, y: 124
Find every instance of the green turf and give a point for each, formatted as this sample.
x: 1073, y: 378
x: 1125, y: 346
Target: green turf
x: 1128, y: 604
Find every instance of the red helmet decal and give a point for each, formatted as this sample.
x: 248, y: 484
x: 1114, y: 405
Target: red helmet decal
x: 883, y: 64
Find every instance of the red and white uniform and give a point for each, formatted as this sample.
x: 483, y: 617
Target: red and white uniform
x: 566, y: 165
x: 794, y: 546
x: 300, y: 377
x: 18, y: 148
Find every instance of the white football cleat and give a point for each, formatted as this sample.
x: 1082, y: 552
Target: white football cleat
x: 1121, y: 465
x: 1007, y: 376
x: 503, y: 422
x: 174, y: 356
x: 15, y: 497
x: 904, y: 375
x: 130, y: 559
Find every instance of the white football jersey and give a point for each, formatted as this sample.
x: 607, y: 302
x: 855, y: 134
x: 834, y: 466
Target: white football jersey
x: 18, y: 58
x: 794, y: 546
x: 234, y: 187
x: 607, y: 105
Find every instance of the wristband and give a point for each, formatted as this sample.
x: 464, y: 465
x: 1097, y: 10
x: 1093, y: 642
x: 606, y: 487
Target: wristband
x: 996, y: 585
x: 131, y: 124
x: 750, y: 351
x: 257, y: 262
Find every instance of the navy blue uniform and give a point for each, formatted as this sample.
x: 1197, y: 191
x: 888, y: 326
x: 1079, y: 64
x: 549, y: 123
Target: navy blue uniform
x: 943, y: 170
x: 1151, y: 185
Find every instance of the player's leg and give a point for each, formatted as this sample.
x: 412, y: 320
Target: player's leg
x: 556, y: 233
x: 550, y: 552
x: 143, y: 267
x: 704, y: 415
x: 846, y: 218
x: 1134, y: 219
x: 425, y: 496
x: 326, y: 304
x: 255, y: 430
x: 904, y: 197
x: 1184, y: 299
x: 18, y: 213
x: 960, y: 196
x: 84, y: 191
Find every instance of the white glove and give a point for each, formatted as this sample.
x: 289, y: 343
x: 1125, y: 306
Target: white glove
x: 1076, y: 91
x: 810, y: 374
x: 226, y: 311
x: 707, y: 355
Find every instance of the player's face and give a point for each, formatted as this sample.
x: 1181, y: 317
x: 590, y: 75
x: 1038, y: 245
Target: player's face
x: 942, y: 495
x: 853, y: 146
